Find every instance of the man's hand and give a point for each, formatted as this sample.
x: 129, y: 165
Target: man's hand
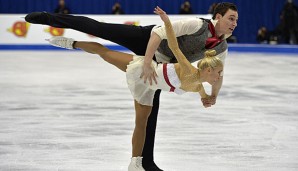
x: 208, y: 101
x: 148, y: 74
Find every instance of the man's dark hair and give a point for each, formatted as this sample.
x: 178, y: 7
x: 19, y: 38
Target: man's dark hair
x: 222, y: 8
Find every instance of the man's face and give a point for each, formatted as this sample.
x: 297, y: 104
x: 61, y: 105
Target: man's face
x: 228, y: 22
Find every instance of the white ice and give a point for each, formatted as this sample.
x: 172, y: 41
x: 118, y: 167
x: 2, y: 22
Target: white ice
x: 71, y: 111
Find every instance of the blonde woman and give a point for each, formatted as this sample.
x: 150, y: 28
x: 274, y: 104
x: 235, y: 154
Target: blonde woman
x: 175, y: 77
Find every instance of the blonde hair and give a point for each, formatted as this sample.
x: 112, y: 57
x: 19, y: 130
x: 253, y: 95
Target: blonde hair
x: 209, y: 61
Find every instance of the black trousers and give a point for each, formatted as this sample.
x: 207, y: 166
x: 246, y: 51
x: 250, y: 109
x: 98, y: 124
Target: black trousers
x: 135, y: 38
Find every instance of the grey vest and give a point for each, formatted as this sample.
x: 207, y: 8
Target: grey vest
x: 192, y: 46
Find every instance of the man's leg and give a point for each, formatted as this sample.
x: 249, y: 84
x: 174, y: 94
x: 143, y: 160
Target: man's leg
x: 148, y: 159
x: 135, y: 38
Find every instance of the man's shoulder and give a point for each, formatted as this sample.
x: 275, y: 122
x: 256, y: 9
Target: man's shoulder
x: 205, y: 20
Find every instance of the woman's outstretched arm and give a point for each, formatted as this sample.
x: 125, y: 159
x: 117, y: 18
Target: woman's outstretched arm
x: 172, y: 40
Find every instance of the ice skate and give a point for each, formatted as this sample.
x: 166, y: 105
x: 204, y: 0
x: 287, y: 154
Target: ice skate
x: 136, y: 164
x: 62, y: 42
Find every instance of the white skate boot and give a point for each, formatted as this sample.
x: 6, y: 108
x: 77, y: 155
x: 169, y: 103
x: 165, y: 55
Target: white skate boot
x: 62, y: 42
x: 136, y: 164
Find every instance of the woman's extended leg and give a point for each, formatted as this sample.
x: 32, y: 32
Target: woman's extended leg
x: 119, y: 59
x: 139, y: 134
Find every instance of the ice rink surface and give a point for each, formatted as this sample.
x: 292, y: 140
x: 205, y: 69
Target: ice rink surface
x: 71, y: 111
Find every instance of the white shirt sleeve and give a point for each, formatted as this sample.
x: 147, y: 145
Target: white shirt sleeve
x: 181, y: 27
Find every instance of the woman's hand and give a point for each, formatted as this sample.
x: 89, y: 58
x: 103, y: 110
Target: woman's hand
x: 163, y: 15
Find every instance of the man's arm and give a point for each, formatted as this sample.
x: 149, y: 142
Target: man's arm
x: 205, y: 98
x: 216, y: 87
x: 211, y: 100
x: 148, y: 71
x: 214, y: 92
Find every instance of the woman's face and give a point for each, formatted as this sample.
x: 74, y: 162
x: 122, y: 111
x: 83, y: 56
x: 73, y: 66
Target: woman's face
x: 214, y: 74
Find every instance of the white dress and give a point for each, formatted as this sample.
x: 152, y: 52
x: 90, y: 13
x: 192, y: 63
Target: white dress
x: 167, y: 80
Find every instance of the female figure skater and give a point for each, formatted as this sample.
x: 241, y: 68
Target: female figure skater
x: 179, y: 77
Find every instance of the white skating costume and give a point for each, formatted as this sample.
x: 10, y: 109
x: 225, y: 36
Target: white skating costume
x: 167, y: 80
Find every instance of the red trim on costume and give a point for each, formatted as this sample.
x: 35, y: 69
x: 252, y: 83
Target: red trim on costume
x: 165, y: 74
x: 211, y: 42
